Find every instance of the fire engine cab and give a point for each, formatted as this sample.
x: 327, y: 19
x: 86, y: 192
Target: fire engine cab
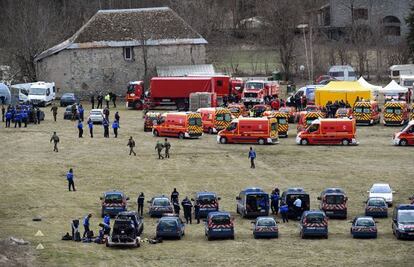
x: 135, y: 95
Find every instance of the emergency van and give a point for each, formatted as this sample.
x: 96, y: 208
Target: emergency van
x: 329, y: 132
x: 215, y: 119
x: 412, y: 113
x: 334, y: 202
x: 366, y: 112
x: 150, y: 119
x: 290, y: 195
x: 250, y: 130
x: 306, y: 118
x: 406, y: 136
x: 219, y: 224
x: 395, y: 113
x: 237, y: 110
x: 179, y: 124
x: 252, y: 202
x: 282, y: 121
x: 313, y: 223
x: 403, y: 221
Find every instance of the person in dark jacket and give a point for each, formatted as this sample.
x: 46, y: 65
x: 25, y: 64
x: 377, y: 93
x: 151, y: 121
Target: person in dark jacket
x: 187, y: 206
x: 3, y: 112
x: 274, y: 202
x: 105, y: 124
x: 69, y: 177
x: 252, y: 157
x: 93, y: 100
x: 90, y: 126
x: 17, y: 119
x: 131, y: 145
x: 115, y: 127
x: 117, y: 117
x: 54, y: 110
x: 86, y: 224
x: 8, y: 118
x: 38, y: 115
x: 106, y: 113
x: 140, y: 202
x: 81, y: 111
x: 175, y: 195
x: 55, y: 140
x: 113, y: 97
x: 80, y: 128
x: 100, y: 100
x: 176, y: 206
x: 284, y: 211
x: 167, y: 147
x: 24, y: 117
x: 197, y: 211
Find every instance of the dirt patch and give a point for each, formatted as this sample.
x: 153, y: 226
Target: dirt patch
x: 13, y: 254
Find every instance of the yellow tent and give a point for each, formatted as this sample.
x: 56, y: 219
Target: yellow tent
x: 342, y: 90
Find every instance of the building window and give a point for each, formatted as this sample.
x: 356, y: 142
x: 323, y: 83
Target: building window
x: 360, y: 13
x: 128, y: 53
x: 391, y: 26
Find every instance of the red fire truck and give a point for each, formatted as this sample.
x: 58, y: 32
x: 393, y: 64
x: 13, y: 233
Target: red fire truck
x: 237, y: 85
x: 175, y: 91
x: 259, y: 92
x: 135, y: 95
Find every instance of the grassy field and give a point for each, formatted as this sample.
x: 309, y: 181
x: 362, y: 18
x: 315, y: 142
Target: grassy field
x: 32, y: 183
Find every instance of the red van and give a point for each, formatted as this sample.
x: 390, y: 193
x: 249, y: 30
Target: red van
x: 179, y: 124
x: 329, y: 132
x: 406, y: 136
x: 250, y: 130
x: 215, y: 119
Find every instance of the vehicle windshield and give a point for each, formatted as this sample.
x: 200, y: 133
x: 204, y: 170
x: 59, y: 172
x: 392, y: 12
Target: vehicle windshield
x: 194, y: 121
x: 334, y: 199
x: 232, y: 127
x: 96, y: 112
x: 254, y: 85
x: 408, y: 83
x: 168, y: 224
x: 250, y: 94
x: 336, y: 74
x: 221, y: 219
x: 37, y: 91
x: 362, y: 110
x: 281, y: 120
x: 365, y: 222
x: 161, y: 202
x: 342, y: 111
x: 234, y: 110
x: 380, y: 189
x: 223, y: 117
x: 397, y: 111
x: 68, y: 96
x: 273, y: 126
x: 406, y: 216
x: 310, y: 120
x: 266, y: 222
x: 206, y: 199
x: 314, y: 218
x: 113, y: 198
x: 377, y: 203
x: 130, y: 89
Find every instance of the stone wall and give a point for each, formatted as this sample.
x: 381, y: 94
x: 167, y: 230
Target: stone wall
x: 91, y: 69
x: 377, y: 10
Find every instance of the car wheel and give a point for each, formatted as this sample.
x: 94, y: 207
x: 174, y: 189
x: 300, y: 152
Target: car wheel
x: 261, y: 141
x: 304, y: 142
x: 397, y: 235
x: 209, y: 238
x: 302, y: 235
x: 210, y: 130
x: 345, y: 142
x: 255, y: 236
x: 156, y: 133
x: 326, y: 236
x: 223, y: 140
x: 181, y: 135
x: 232, y: 237
x: 403, y: 142
x: 138, y: 104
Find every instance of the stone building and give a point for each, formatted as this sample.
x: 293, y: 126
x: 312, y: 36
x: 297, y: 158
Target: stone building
x: 386, y: 16
x: 112, y: 47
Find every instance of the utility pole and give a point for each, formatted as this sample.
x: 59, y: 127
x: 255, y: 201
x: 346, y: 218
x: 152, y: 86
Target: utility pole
x: 303, y: 27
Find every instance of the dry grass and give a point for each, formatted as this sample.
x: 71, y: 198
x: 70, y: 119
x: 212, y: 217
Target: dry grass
x: 33, y: 183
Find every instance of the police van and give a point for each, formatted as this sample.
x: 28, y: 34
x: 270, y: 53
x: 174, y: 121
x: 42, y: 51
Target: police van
x: 290, y: 195
x: 219, y: 224
x: 208, y: 202
x: 314, y: 223
x: 403, y: 221
x: 253, y: 202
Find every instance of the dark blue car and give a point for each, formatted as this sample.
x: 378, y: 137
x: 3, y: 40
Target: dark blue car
x: 364, y: 226
x: 113, y: 202
x: 170, y: 226
x: 403, y: 221
x: 376, y: 207
x: 219, y: 224
x: 265, y: 227
x: 314, y: 223
x: 253, y: 202
x: 208, y: 202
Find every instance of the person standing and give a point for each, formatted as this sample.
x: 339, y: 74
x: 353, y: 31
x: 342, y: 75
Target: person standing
x: 90, y: 125
x: 38, y: 115
x: 159, y: 148
x: 24, y: 117
x: 17, y: 119
x: 175, y: 195
x: 107, y: 99
x: 81, y: 111
x: 8, y: 118
x: 100, y: 100
x: 187, y: 206
x: 140, y: 202
x: 55, y: 140
x: 54, y: 110
x: 106, y: 113
x: 105, y: 124
x: 298, y: 207
x: 284, y: 211
x: 275, y: 202
x: 131, y: 145
x: 3, y: 112
x: 86, y: 224
x: 74, y: 111
x: 252, y: 157
x: 197, y: 211
x: 69, y: 177
x: 80, y: 128
x: 176, y: 206
x: 113, y: 96
x: 167, y: 146
x: 117, y: 117
x: 93, y: 100
x: 115, y: 126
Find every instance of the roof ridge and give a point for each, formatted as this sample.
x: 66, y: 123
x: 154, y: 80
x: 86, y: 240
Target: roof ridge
x: 133, y: 10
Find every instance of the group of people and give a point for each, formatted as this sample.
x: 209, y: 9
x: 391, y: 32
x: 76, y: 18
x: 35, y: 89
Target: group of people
x: 160, y: 146
x: 331, y: 108
x: 105, y: 124
x: 109, y: 97
x: 20, y: 115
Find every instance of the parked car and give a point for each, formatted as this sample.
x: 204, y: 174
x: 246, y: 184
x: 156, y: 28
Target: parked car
x: 96, y: 115
x: 403, y: 221
x: 159, y: 205
x: 170, y: 226
x: 219, y: 224
x: 113, y: 202
x: 265, y: 227
x: 135, y: 218
x: 208, y: 202
x: 376, y: 207
x: 364, y: 226
x: 381, y: 190
x: 123, y: 233
x: 68, y: 99
x: 313, y: 223
x: 67, y: 115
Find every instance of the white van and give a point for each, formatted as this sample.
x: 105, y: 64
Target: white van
x: 397, y: 70
x: 342, y: 73
x: 407, y: 81
x: 41, y: 93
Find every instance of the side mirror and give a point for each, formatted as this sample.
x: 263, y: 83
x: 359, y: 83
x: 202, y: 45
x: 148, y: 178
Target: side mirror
x: 319, y: 198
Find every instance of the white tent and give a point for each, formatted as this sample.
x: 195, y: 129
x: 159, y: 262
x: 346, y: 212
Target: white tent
x: 366, y: 84
x: 393, y: 88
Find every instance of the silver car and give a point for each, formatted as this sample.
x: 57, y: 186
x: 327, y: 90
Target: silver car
x: 96, y: 115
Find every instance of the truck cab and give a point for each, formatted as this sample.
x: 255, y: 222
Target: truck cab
x: 403, y: 221
x: 237, y: 110
x: 313, y: 223
x: 406, y: 136
x: 259, y: 92
x: 395, y: 113
x: 208, y: 202
x: 334, y: 202
x: 135, y: 95
x: 214, y: 119
x: 366, y: 112
x: 290, y: 195
x: 253, y: 202
x: 179, y: 124
x: 219, y: 224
